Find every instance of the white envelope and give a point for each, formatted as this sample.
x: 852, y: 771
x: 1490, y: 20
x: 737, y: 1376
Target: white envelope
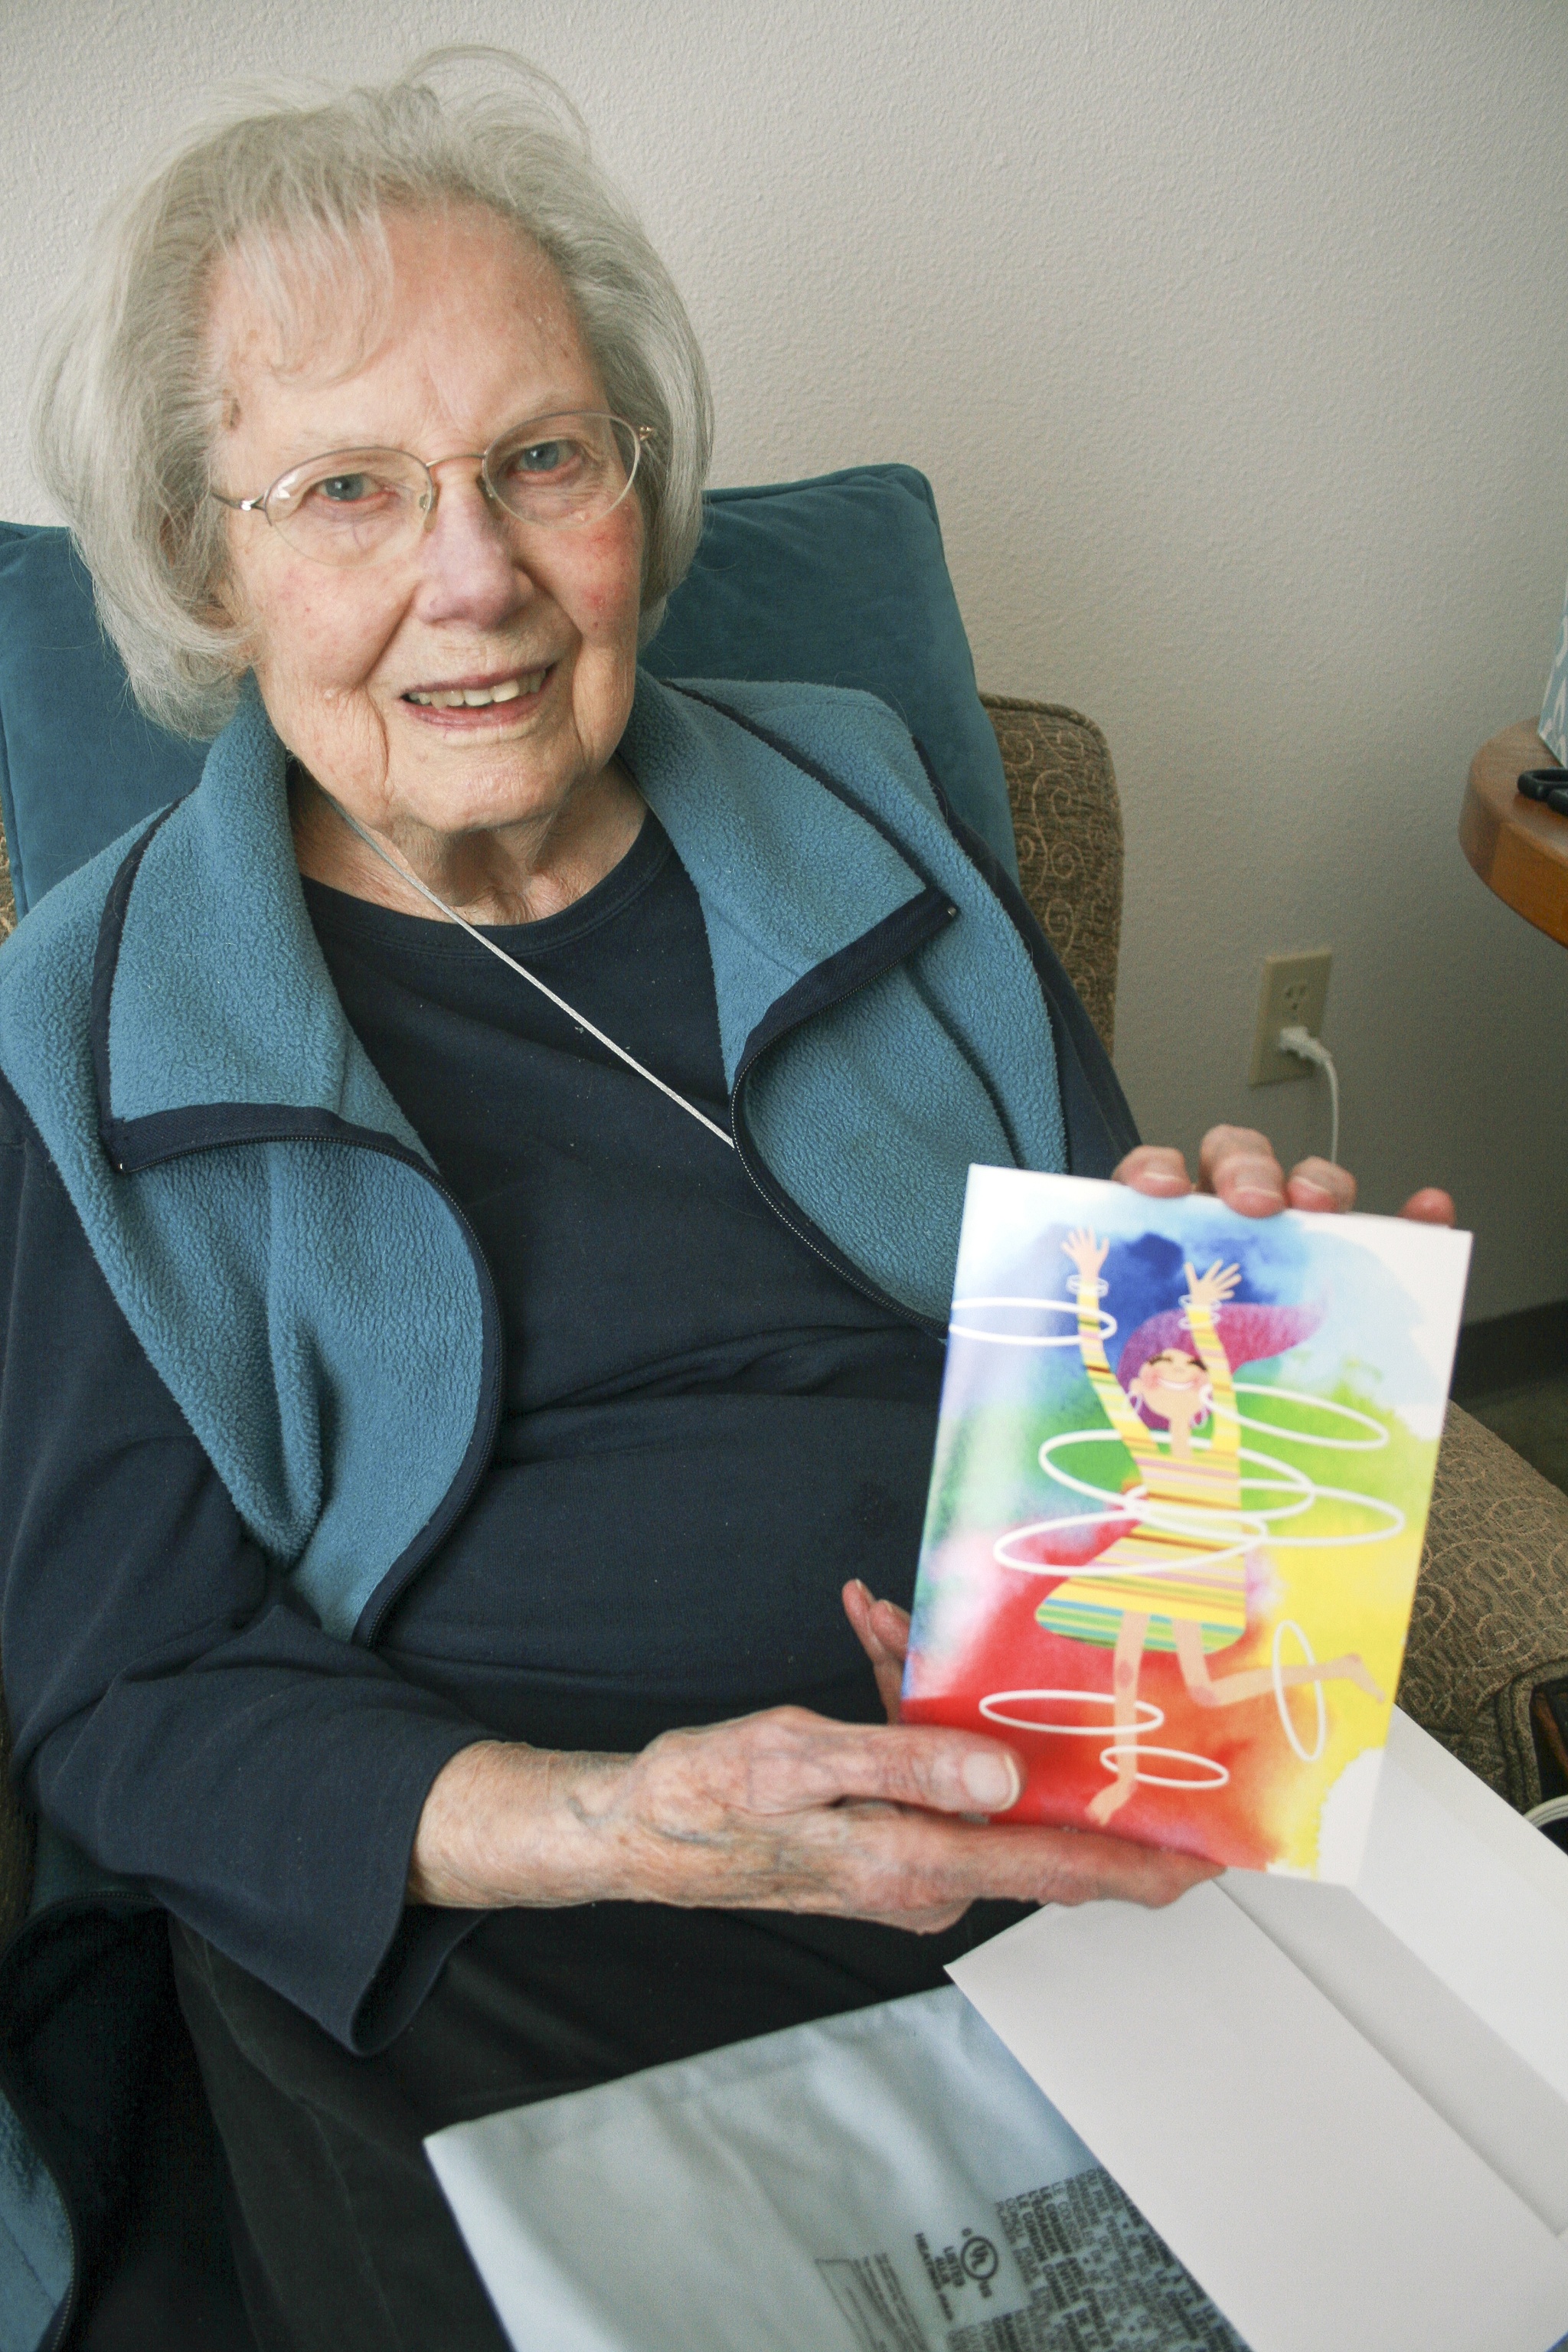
x: 1345, y: 2111
x: 887, y: 2182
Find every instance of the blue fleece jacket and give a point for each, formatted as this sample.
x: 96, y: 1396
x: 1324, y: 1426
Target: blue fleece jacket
x: 277, y: 1240
x: 268, y: 1222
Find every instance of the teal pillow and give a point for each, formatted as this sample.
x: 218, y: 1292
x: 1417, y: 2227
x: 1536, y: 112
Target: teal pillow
x: 843, y: 581
x: 77, y: 762
x: 840, y: 582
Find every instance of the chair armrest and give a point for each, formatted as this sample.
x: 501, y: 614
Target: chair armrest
x: 1067, y: 821
x: 1492, y: 1608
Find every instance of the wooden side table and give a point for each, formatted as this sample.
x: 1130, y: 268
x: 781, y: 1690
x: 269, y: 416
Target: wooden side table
x: 1519, y: 849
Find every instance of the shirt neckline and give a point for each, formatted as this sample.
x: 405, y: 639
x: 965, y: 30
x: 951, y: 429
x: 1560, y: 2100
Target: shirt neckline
x: 344, y: 914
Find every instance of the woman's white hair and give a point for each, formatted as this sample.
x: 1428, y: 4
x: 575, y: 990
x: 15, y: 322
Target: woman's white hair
x: 291, y: 190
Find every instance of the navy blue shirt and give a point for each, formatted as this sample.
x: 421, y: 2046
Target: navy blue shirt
x: 706, y: 1430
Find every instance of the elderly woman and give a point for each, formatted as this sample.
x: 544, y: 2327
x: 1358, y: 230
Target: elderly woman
x: 482, y: 1185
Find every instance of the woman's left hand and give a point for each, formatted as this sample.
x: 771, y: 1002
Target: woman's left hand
x: 883, y: 1629
x: 1238, y: 1166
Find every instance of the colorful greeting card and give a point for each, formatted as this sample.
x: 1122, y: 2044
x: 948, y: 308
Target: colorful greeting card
x: 1181, y: 1477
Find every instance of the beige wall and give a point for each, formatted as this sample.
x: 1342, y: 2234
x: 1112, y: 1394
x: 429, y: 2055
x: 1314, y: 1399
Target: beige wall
x: 1232, y: 336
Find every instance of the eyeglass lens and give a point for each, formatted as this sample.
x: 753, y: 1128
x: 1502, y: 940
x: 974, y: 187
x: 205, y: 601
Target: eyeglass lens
x: 354, y: 506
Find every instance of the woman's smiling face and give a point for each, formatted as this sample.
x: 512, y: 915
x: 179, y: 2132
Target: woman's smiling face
x: 479, y: 335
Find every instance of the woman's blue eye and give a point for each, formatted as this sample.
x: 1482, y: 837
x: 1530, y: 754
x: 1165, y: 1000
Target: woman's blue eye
x: 543, y: 457
x: 345, y: 490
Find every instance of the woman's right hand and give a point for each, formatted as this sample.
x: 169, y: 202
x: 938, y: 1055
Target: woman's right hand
x: 785, y: 1811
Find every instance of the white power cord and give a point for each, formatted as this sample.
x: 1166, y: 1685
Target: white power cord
x: 1308, y: 1048
x: 406, y: 874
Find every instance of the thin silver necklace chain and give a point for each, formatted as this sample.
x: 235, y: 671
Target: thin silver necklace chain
x: 406, y: 874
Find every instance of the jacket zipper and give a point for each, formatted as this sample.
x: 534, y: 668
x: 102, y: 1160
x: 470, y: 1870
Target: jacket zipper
x: 61, y: 2326
x: 776, y: 1198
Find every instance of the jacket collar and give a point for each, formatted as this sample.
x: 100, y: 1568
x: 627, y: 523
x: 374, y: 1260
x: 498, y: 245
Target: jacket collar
x: 748, y: 817
x: 215, y: 1017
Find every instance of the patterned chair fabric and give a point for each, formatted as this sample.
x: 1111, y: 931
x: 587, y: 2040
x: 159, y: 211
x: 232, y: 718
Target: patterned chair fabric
x: 1067, y: 821
x: 1492, y: 1608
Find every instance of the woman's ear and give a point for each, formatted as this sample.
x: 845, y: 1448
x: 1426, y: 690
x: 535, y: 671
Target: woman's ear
x: 223, y: 609
x: 228, y: 611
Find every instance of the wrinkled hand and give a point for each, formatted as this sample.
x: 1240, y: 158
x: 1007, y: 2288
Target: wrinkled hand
x: 1238, y: 1166
x: 779, y: 1811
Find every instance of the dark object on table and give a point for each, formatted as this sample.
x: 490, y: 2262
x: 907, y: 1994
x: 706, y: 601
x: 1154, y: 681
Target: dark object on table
x: 1549, y: 1722
x: 1548, y: 785
x: 1516, y: 846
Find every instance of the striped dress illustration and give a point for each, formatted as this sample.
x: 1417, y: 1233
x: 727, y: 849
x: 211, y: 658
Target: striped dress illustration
x: 1180, y: 1562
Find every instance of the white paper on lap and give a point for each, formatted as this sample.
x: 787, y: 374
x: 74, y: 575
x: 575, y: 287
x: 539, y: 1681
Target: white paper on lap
x: 1346, y: 2111
x: 887, y: 2182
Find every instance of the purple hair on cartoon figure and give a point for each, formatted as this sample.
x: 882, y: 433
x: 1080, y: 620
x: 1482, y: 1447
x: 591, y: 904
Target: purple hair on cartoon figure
x: 1246, y: 1333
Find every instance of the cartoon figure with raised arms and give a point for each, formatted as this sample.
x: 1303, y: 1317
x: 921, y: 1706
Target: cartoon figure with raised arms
x: 1174, y: 1575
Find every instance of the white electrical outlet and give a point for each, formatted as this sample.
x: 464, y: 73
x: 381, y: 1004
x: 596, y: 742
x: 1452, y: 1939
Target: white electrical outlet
x: 1294, y: 992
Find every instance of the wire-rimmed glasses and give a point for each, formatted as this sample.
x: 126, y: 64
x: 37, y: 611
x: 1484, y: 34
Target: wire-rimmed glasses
x: 362, y: 506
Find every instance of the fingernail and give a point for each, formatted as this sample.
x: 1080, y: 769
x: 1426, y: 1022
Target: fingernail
x: 991, y: 1780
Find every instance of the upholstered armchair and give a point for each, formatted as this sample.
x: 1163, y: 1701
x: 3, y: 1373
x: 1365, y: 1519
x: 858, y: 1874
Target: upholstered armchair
x: 1492, y: 1608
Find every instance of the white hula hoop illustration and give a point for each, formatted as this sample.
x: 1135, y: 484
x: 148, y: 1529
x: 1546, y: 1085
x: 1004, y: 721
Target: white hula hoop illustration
x: 1024, y: 1339
x: 1150, y: 1717
x: 1109, y: 1757
x: 1372, y: 1444
x: 1307, y: 1755
x: 1278, y: 1491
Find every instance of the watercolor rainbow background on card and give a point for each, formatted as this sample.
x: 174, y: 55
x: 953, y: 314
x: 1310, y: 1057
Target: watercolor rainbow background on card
x: 1034, y: 1492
